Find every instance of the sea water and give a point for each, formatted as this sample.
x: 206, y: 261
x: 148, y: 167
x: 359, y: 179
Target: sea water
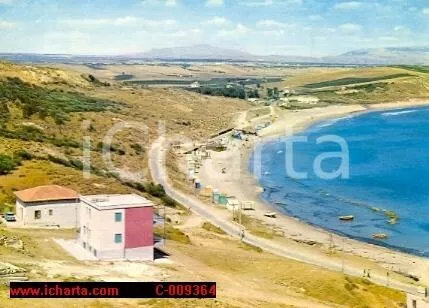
x: 388, y: 171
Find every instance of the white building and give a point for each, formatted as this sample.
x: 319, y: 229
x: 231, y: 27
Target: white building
x: 49, y: 205
x: 195, y: 84
x: 117, y: 226
x: 417, y: 301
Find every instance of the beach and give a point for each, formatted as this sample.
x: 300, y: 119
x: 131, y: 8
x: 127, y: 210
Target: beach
x: 228, y: 171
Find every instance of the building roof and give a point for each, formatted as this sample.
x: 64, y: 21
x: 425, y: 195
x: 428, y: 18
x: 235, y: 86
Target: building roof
x: 108, y: 202
x: 46, y: 193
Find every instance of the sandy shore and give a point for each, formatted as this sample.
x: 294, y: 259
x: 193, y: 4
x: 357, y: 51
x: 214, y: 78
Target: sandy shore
x: 238, y: 182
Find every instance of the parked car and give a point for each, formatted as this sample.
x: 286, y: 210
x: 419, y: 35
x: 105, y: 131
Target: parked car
x: 10, y: 216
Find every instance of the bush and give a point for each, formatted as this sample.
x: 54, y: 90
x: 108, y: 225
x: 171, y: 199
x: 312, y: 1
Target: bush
x: 60, y: 161
x: 23, y: 155
x: 212, y: 228
x: 155, y: 190
x: 49, y: 102
x: 138, y: 148
x: 136, y: 185
x: 115, y: 148
x: 168, y: 201
x: 7, y: 164
x: 76, y: 163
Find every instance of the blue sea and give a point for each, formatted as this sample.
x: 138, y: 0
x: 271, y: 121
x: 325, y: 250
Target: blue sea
x: 388, y: 170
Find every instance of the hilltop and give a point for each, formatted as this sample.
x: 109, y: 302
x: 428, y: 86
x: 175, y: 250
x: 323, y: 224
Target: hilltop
x: 203, y: 52
x: 42, y: 111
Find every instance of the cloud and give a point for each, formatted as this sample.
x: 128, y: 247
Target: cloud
x: 315, y: 17
x: 425, y: 11
x: 5, y: 25
x: 350, y: 28
x: 185, y: 33
x: 6, y: 2
x: 239, y: 30
x: 388, y: 38
x: 400, y: 29
x: 217, y: 21
x: 158, y: 23
x: 351, y: 5
x: 269, y: 23
x: 170, y: 2
x: 126, y: 20
x: 256, y: 3
x: 214, y: 2
x: 67, y: 35
x: 120, y: 21
x: 155, y: 2
x: 273, y: 32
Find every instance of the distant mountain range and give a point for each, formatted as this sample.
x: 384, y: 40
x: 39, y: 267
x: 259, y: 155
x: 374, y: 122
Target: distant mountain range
x: 383, y: 56
x: 202, y: 52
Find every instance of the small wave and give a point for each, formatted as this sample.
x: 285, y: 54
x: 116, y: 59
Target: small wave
x: 333, y: 121
x: 395, y: 113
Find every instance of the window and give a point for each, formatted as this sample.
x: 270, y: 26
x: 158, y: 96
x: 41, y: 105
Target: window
x: 118, y: 238
x: 37, y: 214
x: 51, y: 212
x: 118, y: 217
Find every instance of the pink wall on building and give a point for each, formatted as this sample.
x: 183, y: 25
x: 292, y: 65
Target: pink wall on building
x: 138, y: 227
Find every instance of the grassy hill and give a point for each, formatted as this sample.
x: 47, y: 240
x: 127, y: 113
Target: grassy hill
x: 42, y: 111
x: 361, y: 85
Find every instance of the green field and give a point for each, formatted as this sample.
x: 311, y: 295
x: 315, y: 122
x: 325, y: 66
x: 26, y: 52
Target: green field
x: 351, y: 80
x: 415, y: 68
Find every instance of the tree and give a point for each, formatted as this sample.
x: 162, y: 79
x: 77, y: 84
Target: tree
x: 6, y: 164
x: 276, y: 93
x: 269, y: 92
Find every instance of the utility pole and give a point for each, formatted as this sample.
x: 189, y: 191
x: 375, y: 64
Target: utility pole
x: 342, y: 258
x: 240, y: 214
x: 165, y: 221
x: 331, y: 244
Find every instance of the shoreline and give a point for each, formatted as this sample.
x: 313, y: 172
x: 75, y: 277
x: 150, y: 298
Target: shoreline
x: 245, y: 187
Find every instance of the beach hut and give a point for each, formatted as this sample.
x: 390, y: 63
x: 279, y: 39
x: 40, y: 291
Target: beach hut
x: 197, y: 184
x: 206, y: 191
x: 216, y: 195
x: 248, y: 205
x: 232, y: 203
x: 223, y: 199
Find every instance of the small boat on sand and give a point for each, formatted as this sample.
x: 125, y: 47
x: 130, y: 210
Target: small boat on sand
x: 380, y: 236
x: 271, y: 214
x: 346, y: 218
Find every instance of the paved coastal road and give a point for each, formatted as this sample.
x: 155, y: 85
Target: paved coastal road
x: 157, y: 169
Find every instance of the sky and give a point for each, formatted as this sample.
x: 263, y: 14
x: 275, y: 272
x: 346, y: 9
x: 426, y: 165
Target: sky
x: 262, y: 27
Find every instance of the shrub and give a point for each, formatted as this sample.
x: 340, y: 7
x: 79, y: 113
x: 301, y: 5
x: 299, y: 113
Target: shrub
x: 50, y: 102
x: 23, y: 155
x: 7, y: 164
x: 155, y: 190
x: 60, y: 161
x: 168, y: 201
x: 138, y: 148
x: 212, y: 228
